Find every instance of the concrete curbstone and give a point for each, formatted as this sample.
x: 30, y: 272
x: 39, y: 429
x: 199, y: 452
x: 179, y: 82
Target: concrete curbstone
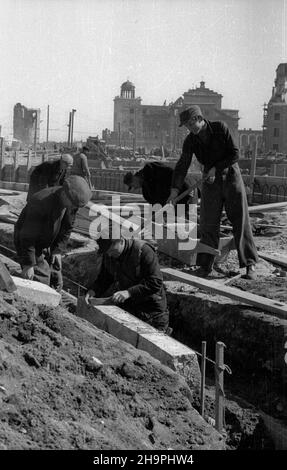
x: 139, y: 334
x: 36, y: 292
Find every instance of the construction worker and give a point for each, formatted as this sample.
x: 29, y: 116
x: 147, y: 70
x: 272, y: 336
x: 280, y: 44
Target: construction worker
x: 130, y: 273
x: 81, y: 167
x: 50, y: 173
x: 222, y: 185
x: 154, y: 180
x: 44, y: 226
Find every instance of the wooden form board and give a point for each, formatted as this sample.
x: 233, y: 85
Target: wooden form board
x: 276, y: 206
x: 276, y: 259
x: 277, y: 308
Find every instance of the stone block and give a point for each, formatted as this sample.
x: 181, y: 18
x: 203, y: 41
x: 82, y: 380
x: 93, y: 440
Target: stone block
x: 36, y: 292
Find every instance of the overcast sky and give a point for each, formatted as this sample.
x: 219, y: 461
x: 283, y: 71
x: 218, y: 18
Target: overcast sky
x: 77, y: 53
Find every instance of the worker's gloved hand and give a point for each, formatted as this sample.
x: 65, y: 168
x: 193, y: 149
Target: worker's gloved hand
x: 121, y: 296
x: 209, y: 177
x: 27, y: 272
x: 172, y: 197
x: 91, y: 293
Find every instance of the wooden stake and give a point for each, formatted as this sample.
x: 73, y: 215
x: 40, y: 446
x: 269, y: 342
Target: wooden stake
x: 219, y: 390
x: 6, y: 281
x: 202, y: 385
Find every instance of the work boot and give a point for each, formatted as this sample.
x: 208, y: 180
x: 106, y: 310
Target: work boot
x: 250, y: 272
x: 202, y: 271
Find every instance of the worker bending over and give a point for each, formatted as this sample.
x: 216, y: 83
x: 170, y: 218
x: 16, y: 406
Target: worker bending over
x: 44, y: 226
x: 155, y: 180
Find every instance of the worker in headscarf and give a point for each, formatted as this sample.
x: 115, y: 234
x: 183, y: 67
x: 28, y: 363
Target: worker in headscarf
x: 50, y: 173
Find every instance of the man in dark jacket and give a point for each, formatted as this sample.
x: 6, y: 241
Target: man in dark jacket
x: 130, y: 273
x: 44, y: 227
x: 213, y: 146
x: 48, y: 174
x: 155, y: 180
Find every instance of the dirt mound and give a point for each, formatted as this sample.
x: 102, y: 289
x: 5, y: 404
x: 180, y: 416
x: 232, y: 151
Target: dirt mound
x: 66, y: 385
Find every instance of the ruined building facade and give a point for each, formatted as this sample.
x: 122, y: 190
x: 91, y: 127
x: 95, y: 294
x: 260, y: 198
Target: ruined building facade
x: 275, y: 114
x: 26, y: 125
x: 152, y: 126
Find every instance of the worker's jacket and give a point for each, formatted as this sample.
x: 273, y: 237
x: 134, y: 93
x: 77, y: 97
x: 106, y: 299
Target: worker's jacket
x: 46, y: 175
x: 157, y: 179
x: 136, y: 270
x: 43, y: 223
x: 220, y: 152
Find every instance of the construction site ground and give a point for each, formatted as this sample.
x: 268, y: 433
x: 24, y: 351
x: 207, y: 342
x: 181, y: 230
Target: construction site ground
x: 64, y: 384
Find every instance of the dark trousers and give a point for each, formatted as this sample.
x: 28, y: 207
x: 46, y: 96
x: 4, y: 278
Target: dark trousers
x: 227, y: 191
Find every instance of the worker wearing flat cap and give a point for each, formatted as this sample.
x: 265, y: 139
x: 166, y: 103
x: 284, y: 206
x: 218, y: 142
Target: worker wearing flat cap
x: 130, y: 273
x: 222, y: 186
x: 154, y: 180
x: 50, y: 173
x: 44, y: 226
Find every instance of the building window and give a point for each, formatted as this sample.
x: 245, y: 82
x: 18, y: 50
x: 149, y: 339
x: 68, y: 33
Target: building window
x: 277, y: 116
x: 132, y: 110
x: 275, y: 147
x: 276, y: 132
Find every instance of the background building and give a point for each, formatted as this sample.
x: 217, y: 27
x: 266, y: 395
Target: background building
x: 275, y: 114
x: 156, y: 126
x: 248, y: 139
x: 26, y: 125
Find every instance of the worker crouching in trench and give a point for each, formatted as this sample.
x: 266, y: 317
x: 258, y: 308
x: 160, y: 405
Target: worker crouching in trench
x: 130, y: 274
x: 44, y: 226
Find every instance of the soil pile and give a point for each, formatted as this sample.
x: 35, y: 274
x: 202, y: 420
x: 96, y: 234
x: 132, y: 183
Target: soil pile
x: 66, y: 385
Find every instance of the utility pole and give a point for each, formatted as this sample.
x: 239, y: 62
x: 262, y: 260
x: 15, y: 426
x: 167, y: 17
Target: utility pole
x: 72, y: 125
x: 69, y: 131
x: 48, y: 117
x: 35, y: 118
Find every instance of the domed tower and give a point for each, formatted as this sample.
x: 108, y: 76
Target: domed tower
x: 127, y: 90
x: 127, y: 115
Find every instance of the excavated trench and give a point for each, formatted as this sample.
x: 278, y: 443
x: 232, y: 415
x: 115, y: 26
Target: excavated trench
x: 254, y: 343
x: 253, y: 340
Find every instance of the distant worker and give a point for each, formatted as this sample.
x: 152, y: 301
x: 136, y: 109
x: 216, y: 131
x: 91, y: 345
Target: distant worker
x: 81, y: 166
x: 50, y: 173
x: 44, y: 226
x: 130, y: 273
x: 154, y: 180
x: 222, y: 185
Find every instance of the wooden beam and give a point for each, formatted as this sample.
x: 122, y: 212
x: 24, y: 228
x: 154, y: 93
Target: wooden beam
x: 276, y: 259
x: 275, y: 206
x: 278, y: 309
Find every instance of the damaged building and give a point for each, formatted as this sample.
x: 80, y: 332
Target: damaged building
x: 26, y: 125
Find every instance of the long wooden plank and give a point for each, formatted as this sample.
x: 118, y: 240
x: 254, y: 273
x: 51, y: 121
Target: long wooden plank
x: 275, y: 206
x: 277, y: 308
x: 279, y: 259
